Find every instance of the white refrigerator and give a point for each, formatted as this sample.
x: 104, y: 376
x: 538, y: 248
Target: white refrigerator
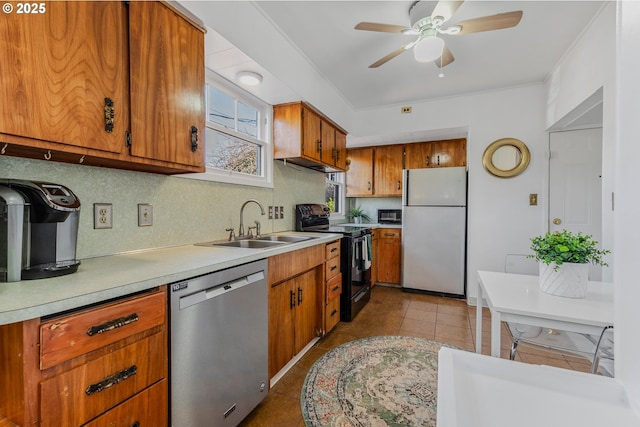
x: 434, y: 230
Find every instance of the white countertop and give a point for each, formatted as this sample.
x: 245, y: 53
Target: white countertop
x: 481, y: 391
x: 372, y: 225
x: 103, y: 278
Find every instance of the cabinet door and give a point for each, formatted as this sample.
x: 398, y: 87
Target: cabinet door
x: 306, y: 323
x: 167, y: 85
x: 282, y: 303
x: 389, y: 246
x: 359, y: 178
x: 328, y: 143
x: 341, y: 150
x: 449, y: 153
x: 311, y: 135
x: 57, y: 69
x: 388, y: 170
x: 418, y: 155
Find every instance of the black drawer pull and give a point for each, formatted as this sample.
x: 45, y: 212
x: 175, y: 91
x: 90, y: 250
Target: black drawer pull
x: 335, y: 289
x: 333, y: 250
x: 299, y: 296
x: 292, y: 299
x: 390, y: 234
x: 112, y: 324
x: 111, y: 380
x: 136, y: 424
x: 108, y: 115
x: 333, y: 267
x: 333, y: 313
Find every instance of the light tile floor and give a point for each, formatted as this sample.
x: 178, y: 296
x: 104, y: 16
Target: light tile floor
x: 394, y: 312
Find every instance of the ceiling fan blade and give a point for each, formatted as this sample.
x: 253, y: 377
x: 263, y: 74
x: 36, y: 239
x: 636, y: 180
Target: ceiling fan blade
x: 389, y: 57
x: 445, y: 59
x: 384, y: 28
x: 488, y: 23
x: 446, y: 9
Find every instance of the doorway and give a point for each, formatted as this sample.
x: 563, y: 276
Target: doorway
x: 575, y: 184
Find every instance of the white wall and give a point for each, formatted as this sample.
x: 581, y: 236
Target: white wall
x: 627, y: 205
x: 500, y: 220
x: 587, y: 67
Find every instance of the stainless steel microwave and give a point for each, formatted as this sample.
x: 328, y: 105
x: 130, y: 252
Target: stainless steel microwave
x: 389, y: 216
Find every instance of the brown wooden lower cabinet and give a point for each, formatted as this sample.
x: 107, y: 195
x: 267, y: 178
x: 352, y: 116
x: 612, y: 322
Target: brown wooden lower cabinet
x: 295, y: 301
x: 389, y: 255
x: 115, y: 371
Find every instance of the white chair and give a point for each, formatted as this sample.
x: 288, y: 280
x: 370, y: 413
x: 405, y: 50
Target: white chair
x: 596, y: 349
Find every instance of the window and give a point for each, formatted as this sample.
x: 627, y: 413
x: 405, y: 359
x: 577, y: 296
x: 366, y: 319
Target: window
x: 335, y: 194
x: 237, y: 138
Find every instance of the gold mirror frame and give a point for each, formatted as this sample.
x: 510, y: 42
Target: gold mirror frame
x: 487, y: 157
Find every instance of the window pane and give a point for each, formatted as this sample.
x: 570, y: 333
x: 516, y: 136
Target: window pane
x: 221, y: 108
x: 232, y: 154
x: 248, y: 120
x: 332, y: 197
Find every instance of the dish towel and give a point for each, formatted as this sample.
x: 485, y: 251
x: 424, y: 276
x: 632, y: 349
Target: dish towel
x: 366, y: 252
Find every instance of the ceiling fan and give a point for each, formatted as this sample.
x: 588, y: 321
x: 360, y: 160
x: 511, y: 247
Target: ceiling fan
x: 427, y: 22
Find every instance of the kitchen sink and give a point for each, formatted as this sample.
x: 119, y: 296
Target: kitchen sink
x: 249, y: 244
x: 285, y: 239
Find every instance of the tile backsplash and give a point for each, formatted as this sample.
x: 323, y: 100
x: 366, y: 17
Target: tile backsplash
x: 185, y: 211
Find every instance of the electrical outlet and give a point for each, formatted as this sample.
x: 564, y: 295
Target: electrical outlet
x: 270, y: 212
x: 145, y: 215
x: 102, y: 215
x: 281, y: 212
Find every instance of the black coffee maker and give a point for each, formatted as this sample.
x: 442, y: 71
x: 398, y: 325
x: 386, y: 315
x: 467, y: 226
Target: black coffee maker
x: 38, y: 230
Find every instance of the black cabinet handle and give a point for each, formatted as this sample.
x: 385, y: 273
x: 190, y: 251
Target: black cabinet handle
x: 333, y: 313
x: 299, y: 296
x: 194, y: 138
x: 333, y: 267
x: 111, y: 380
x: 112, y: 324
x: 108, y: 115
x: 333, y: 250
x: 136, y: 424
x: 336, y: 288
x: 292, y: 299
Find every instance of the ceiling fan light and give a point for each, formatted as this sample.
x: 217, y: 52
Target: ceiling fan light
x: 249, y: 78
x: 428, y: 49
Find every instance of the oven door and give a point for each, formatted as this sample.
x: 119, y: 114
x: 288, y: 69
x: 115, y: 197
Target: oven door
x: 360, y: 265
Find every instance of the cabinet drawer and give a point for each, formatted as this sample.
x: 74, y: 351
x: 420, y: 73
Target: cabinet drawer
x: 331, y: 268
x: 390, y: 233
x: 80, y: 394
x: 146, y: 409
x: 332, y: 312
x: 334, y: 287
x: 70, y: 336
x: 333, y: 249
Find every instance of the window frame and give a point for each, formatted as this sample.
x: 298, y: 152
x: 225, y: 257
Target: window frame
x: 264, y: 128
x: 341, y: 183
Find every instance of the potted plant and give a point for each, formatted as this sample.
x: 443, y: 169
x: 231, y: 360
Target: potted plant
x: 564, y: 259
x: 359, y: 215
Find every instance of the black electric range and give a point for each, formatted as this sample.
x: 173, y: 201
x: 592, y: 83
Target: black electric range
x: 355, y: 256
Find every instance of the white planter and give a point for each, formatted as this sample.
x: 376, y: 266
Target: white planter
x: 570, y: 280
x: 357, y: 220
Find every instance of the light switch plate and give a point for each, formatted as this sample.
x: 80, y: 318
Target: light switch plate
x: 145, y: 215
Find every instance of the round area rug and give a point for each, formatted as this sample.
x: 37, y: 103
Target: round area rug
x: 376, y: 381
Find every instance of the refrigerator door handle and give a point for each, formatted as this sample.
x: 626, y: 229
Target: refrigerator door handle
x: 405, y: 183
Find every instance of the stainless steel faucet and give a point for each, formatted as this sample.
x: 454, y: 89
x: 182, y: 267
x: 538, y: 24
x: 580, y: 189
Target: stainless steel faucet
x: 241, y: 228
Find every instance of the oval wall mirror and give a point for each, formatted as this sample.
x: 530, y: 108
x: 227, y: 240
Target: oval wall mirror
x: 506, y: 157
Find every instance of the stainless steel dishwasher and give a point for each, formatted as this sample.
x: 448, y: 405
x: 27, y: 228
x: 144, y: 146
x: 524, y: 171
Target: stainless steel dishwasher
x: 219, y: 346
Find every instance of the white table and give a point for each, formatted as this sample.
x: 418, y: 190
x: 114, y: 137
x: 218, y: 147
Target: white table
x: 517, y: 298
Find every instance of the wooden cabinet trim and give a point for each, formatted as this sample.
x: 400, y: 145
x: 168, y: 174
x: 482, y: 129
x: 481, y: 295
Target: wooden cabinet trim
x: 285, y: 266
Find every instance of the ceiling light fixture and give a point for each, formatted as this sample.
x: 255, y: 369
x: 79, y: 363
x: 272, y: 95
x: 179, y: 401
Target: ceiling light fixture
x: 428, y: 49
x: 249, y: 78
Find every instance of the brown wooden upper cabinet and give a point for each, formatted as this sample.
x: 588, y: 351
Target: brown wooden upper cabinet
x: 435, y: 154
x: 387, y: 175
x: 303, y: 136
x: 82, y: 76
x: 377, y: 171
x: 359, y: 178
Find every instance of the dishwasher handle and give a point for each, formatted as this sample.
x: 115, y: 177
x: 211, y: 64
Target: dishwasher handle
x: 219, y: 289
